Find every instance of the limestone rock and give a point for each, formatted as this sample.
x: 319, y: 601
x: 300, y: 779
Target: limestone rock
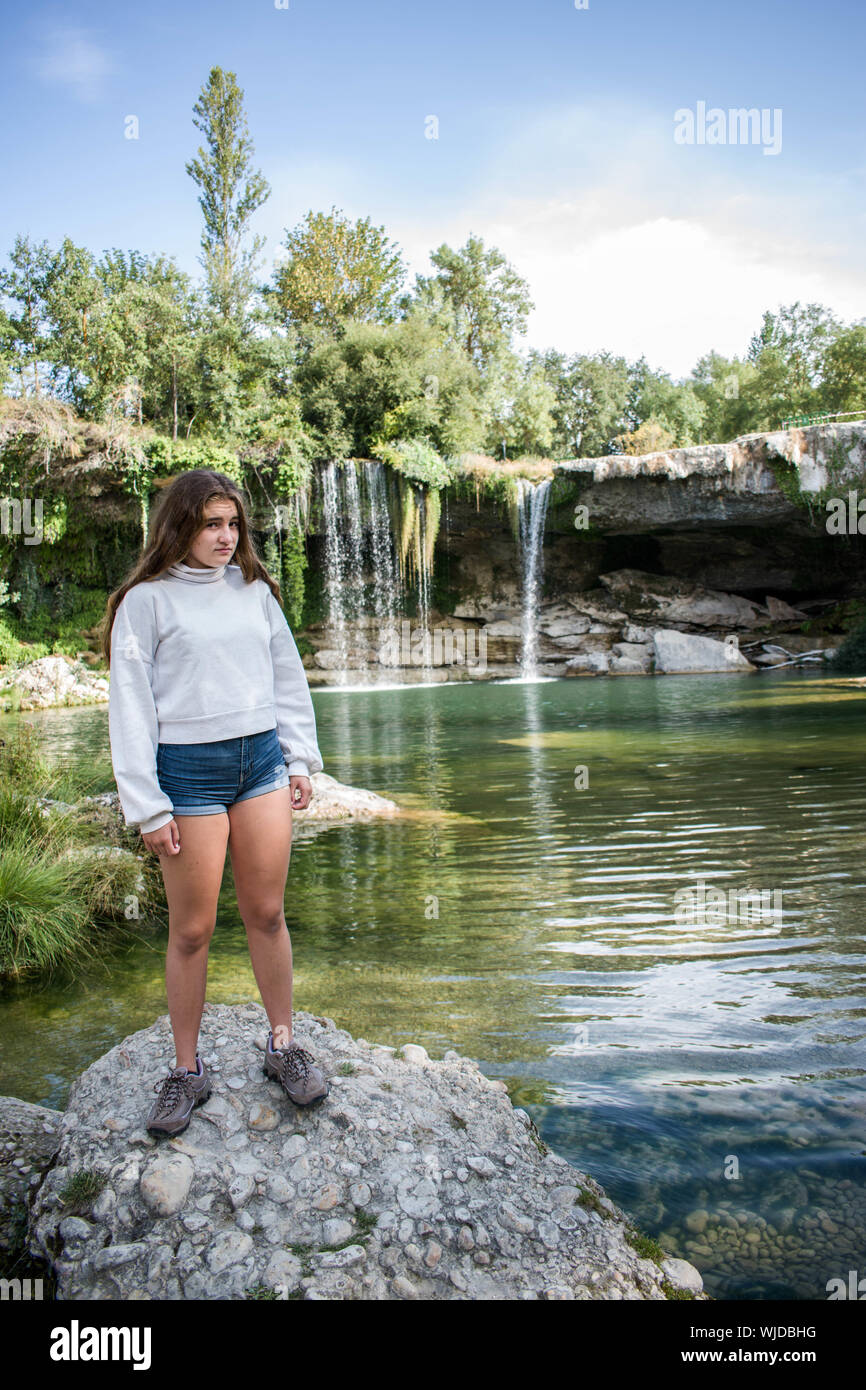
x: 407, y: 1181
x: 630, y: 656
x: 29, y: 1137
x: 683, y: 1275
x: 588, y: 663
x: 672, y: 602
x: 780, y: 611
x: 53, y: 680
x: 165, y: 1184
x: 682, y: 652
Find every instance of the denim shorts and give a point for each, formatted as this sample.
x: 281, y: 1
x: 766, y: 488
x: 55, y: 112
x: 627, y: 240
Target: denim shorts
x: 204, y: 778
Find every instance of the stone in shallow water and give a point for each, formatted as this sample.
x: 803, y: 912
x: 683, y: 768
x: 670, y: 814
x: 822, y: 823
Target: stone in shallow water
x: 682, y: 1274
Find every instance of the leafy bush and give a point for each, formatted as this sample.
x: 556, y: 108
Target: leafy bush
x: 850, y: 658
x: 415, y: 459
x: 169, y: 456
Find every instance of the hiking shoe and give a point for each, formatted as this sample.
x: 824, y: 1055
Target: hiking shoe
x: 294, y: 1068
x: 178, y: 1095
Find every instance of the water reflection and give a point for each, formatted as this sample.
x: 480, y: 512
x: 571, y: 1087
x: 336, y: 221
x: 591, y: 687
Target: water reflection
x: 709, y: 1072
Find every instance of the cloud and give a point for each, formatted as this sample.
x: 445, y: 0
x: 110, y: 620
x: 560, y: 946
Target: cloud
x: 71, y: 59
x: 632, y: 243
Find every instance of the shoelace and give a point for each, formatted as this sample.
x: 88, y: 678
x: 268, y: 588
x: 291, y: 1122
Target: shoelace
x: 171, y: 1087
x: 295, y: 1062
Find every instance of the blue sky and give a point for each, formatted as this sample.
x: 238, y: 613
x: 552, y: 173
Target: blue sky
x: 555, y: 144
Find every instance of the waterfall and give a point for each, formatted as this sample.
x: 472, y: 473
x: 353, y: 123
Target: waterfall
x: 532, y: 501
x: 362, y: 579
x: 387, y: 593
x: 335, y: 569
x: 423, y: 583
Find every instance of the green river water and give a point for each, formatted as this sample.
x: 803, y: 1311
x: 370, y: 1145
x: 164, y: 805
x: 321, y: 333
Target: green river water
x: 709, y: 1073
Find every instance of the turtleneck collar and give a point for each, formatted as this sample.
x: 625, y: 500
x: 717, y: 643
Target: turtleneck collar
x: 198, y: 576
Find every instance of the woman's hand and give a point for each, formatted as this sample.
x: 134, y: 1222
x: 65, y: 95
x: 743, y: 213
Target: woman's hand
x: 302, y: 792
x: 165, y: 840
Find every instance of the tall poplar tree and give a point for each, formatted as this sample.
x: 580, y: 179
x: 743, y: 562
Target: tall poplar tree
x: 231, y: 191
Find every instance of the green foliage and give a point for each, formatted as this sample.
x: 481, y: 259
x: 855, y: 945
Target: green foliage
x: 650, y: 437
x: 590, y: 401
x: 58, y: 889
x: 646, y: 1247
x: 43, y: 916
x: 725, y: 387
x: 170, y: 456
x: 673, y: 405
x: 51, y: 620
x: 27, y: 285
x: 477, y: 297
x: 388, y: 381
x: 590, y: 1202
x: 850, y: 658
x: 843, y: 386
x: 415, y: 459
x: 294, y: 565
x: 336, y: 271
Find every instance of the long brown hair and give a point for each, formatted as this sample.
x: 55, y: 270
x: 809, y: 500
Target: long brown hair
x: 175, y: 523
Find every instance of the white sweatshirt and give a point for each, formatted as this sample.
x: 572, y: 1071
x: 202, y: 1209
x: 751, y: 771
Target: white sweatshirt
x: 199, y: 655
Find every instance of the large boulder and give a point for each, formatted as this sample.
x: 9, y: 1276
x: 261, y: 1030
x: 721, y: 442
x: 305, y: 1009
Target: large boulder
x: 29, y: 1137
x: 332, y: 803
x: 681, y: 652
x: 49, y: 681
x: 413, y: 1179
x: 668, y: 601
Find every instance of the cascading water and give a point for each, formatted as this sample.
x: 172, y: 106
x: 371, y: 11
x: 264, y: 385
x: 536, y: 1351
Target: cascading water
x: 335, y: 570
x: 532, y: 499
x: 423, y: 585
x: 362, y: 578
x: 387, y: 592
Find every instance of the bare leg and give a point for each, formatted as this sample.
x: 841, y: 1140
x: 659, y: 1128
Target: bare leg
x: 260, y: 845
x: 192, y: 884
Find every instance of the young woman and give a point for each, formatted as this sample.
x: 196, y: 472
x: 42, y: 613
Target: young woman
x: 213, y: 741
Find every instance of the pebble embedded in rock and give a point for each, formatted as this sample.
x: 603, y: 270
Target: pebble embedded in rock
x: 165, y: 1183
x: 263, y: 1117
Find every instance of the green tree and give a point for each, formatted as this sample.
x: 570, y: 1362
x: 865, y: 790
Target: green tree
x: 478, y: 297
x: 843, y: 385
x: 336, y: 270
x: 591, y: 395
x: 788, y: 354
x: 399, y: 381
x: 26, y: 285
x: 670, y: 404
x: 519, y: 404
x: 231, y: 192
x: 723, y: 385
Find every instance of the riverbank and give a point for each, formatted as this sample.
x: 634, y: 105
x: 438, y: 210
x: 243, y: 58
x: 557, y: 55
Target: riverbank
x: 414, y: 1179
x: 76, y: 878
